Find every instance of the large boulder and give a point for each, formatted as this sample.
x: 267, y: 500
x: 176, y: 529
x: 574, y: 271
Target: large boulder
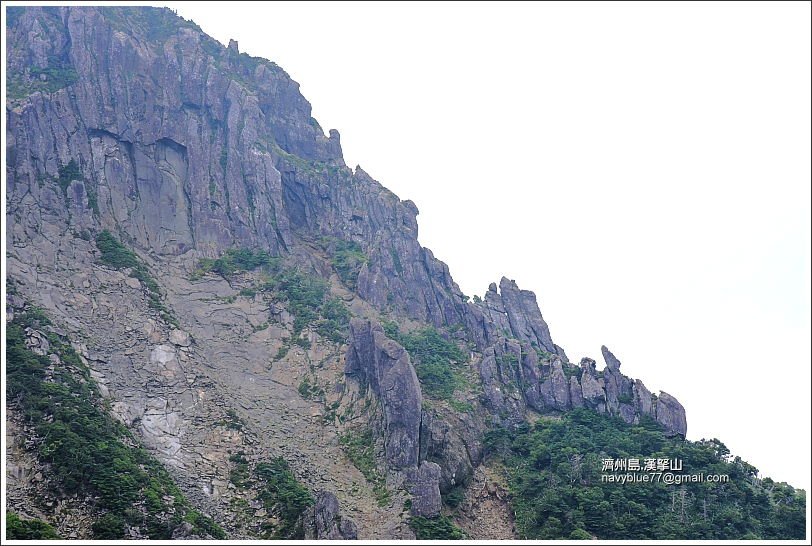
x: 322, y: 521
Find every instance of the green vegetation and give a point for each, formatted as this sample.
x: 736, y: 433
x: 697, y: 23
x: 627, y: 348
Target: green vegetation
x: 310, y: 391
x: 454, y: 498
x: 235, y: 261
x: 436, y: 359
x: 284, y: 498
x: 572, y: 370
x: 28, y: 529
x: 306, y: 299
x: 67, y: 174
x: 240, y: 473
x: 48, y: 79
x: 232, y: 420
x: 280, y: 354
x: 306, y: 296
x: 117, y: 256
x: 89, y: 453
x: 302, y: 342
x: 248, y: 292
x: 554, y: 474
x: 436, y: 528
x: 360, y: 449
x: 347, y: 258
x: 334, y: 321
x: 460, y: 406
x: 92, y: 199
x: 396, y: 261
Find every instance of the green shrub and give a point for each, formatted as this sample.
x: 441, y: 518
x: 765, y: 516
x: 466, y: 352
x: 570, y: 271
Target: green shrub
x: 232, y: 420
x: 360, y: 450
x: 248, y: 292
x: 67, y: 174
x: 236, y: 260
x: 306, y: 296
x: 436, y: 528
x: 570, y: 370
x: 28, y: 529
x: 280, y: 354
x: 454, y: 497
x: 284, y: 497
x: 117, y: 256
x: 309, y: 391
x: 57, y: 76
x: 110, y: 526
x: 436, y: 359
x: 347, y: 258
x: 334, y: 321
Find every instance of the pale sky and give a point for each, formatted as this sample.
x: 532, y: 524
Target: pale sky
x: 643, y: 168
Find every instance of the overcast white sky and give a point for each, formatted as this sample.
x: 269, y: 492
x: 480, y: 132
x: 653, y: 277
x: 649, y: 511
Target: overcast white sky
x: 644, y: 168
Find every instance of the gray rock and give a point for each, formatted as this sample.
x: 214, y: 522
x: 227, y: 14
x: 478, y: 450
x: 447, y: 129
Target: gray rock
x: 442, y: 443
x: 424, y: 489
x: 322, y: 521
x: 376, y: 360
x: 642, y: 398
x: 670, y: 413
x: 560, y: 387
x: 592, y: 387
x: 576, y: 396
x: 611, y: 362
x: 180, y: 338
x: 182, y: 531
x: 524, y: 315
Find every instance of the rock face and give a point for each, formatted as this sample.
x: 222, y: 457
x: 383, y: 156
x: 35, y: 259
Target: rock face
x: 133, y: 120
x: 385, y: 366
x: 322, y: 521
x: 375, y: 360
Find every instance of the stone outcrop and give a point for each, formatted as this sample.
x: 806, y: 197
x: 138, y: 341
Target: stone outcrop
x: 550, y: 383
x: 322, y: 521
x: 375, y: 360
x: 670, y: 413
x: 381, y: 363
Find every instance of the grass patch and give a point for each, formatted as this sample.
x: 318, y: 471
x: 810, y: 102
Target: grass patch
x: 436, y: 528
x: 360, y: 449
x: 436, y: 360
x: 307, y: 297
x: 117, y: 256
x: 284, y: 498
x: 460, y: 406
x: 28, y: 529
x: 240, y: 473
x: 236, y: 260
x: 347, y: 258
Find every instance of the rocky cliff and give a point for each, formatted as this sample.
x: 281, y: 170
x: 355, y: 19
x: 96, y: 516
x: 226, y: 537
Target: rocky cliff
x: 132, y: 122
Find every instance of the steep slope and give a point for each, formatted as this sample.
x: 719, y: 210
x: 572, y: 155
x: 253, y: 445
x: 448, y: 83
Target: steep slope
x: 240, y: 295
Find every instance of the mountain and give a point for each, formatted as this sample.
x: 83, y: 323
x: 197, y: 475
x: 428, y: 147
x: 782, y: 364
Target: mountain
x: 217, y: 329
